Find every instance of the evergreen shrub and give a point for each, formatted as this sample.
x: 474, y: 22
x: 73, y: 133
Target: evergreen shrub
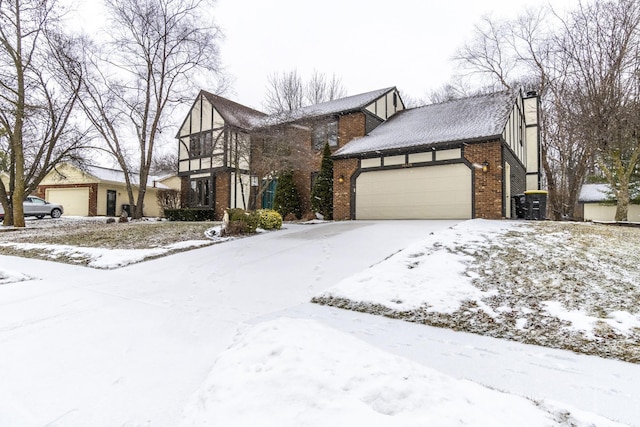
x: 242, y: 222
x: 269, y: 219
x: 286, y: 200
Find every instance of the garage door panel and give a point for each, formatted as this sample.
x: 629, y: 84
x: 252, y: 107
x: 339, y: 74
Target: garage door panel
x: 433, y: 192
x: 75, y: 201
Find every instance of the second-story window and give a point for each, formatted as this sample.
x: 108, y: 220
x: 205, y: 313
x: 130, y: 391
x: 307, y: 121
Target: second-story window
x: 201, y: 144
x: 325, y: 132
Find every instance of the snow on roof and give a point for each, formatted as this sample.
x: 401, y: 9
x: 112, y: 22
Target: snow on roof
x: 349, y: 103
x: 233, y: 113
x: 595, y: 193
x: 470, y: 118
x: 115, y: 175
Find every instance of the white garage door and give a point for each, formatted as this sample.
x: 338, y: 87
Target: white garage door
x: 433, y: 192
x: 75, y: 201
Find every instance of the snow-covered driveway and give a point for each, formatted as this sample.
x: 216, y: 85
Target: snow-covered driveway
x: 128, y: 347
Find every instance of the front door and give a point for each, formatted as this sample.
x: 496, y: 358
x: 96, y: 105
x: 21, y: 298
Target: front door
x: 269, y: 194
x: 111, y: 203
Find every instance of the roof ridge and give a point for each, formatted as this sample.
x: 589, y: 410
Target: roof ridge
x: 479, y: 95
x: 222, y: 98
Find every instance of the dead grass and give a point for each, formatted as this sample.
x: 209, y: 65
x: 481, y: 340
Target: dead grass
x: 96, y: 233
x: 592, y: 269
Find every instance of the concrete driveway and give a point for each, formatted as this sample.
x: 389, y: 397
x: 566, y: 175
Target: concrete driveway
x: 128, y: 347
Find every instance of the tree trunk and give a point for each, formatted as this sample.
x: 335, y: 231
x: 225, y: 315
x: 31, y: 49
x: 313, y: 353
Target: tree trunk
x: 622, y: 206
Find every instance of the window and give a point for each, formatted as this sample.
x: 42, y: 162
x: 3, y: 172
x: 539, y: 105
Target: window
x: 200, y: 192
x: 201, y: 144
x: 194, y: 146
x: 325, y: 133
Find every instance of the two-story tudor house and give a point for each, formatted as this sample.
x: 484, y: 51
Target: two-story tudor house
x: 223, y: 145
x: 464, y: 158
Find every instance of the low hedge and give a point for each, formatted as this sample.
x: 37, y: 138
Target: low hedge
x: 246, y: 222
x: 242, y: 222
x: 190, y: 214
x: 269, y: 219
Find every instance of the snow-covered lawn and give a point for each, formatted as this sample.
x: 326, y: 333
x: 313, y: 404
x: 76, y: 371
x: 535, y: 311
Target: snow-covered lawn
x: 93, y: 242
x: 565, y: 285
x: 292, y: 372
x: 152, y: 344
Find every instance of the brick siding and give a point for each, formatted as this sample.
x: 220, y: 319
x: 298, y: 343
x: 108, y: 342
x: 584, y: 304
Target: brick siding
x: 350, y: 126
x: 487, y: 185
x: 342, y: 190
x: 222, y: 193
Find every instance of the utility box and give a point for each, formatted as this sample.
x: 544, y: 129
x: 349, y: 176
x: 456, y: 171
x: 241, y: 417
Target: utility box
x: 536, y: 204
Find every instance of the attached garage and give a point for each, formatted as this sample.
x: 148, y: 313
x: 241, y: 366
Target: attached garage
x: 74, y: 200
x: 430, y: 192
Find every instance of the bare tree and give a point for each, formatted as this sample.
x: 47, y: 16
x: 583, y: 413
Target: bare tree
x: 155, y: 48
x: 602, y: 42
x: 287, y: 91
x: 280, y: 148
x: 529, y: 53
x: 321, y: 88
x: 489, y: 53
x: 165, y: 163
x: 36, y: 101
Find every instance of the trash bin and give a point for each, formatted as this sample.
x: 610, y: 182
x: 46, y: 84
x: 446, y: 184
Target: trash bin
x: 520, y: 206
x: 126, y: 208
x: 536, y: 204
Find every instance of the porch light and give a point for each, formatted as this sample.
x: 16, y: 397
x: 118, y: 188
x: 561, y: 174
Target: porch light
x: 341, y: 179
x: 485, y: 166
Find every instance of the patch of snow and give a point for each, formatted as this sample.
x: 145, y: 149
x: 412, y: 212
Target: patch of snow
x: 580, y: 321
x: 106, y: 258
x: 595, y: 193
x: 8, y: 276
x: 425, y: 275
x: 621, y: 321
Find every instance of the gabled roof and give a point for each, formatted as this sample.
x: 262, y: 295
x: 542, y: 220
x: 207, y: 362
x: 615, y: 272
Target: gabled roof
x: 233, y: 113
x: 474, y: 118
x: 115, y: 175
x: 590, y: 193
x: 337, y: 106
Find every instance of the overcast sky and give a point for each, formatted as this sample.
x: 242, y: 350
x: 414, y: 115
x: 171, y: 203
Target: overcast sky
x: 369, y: 44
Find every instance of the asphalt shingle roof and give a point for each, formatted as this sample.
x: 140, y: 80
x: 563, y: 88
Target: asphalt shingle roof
x: 233, y: 113
x: 115, y: 175
x: 342, y: 105
x: 478, y: 117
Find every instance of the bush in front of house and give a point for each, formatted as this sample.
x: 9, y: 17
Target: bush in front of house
x: 286, y: 200
x: 190, y: 214
x: 269, y: 219
x: 242, y: 222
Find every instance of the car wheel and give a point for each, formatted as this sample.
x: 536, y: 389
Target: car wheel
x: 39, y: 216
x: 55, y: 213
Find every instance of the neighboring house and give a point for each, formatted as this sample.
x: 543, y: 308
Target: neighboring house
x: 98, y: 191
x: 223, y: 145
x: 598, y: 204
x: 459, y: 159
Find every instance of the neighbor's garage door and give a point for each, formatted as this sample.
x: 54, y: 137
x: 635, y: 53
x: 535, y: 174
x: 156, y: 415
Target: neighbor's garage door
x: 75, y: 201
x: 433, y: 192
